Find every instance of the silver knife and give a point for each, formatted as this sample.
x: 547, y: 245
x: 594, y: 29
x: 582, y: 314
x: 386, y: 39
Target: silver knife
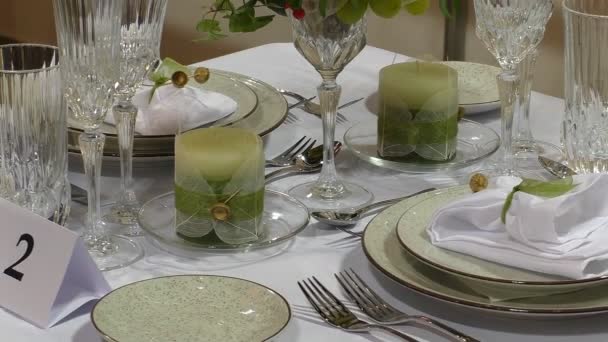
x: 556, y: 168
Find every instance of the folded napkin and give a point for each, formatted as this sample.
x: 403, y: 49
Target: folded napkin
x: 565, y: 235
x: 195, y: 107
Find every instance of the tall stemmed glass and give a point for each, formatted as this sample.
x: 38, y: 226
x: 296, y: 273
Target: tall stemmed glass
x: 142, y: 23
x: 329, y: 44
x: 88, y: 33
x: 511, y: 29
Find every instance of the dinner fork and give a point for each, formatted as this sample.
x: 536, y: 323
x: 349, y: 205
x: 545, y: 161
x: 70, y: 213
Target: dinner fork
x: 335, y: 313
x: 292, y: 118
x: 287, y: 158
x: 379, y: 310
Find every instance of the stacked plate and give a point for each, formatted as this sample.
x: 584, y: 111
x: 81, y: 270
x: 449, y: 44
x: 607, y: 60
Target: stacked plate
x: 261, y: 108
x: 396, y: 242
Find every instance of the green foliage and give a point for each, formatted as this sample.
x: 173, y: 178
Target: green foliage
x: 242, y: 16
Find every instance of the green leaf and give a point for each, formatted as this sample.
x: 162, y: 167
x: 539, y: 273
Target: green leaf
x: 507, y: 205
x: 547, y: 189
x: 208, y: 25
x: 224, y: 5
x: 534, y: 187
x: 323, y: 7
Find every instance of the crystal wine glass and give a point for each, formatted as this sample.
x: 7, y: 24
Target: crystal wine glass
x: 511, y: 30
x: 88, y: 34
x: 329, y: 44
x: 142, y: 23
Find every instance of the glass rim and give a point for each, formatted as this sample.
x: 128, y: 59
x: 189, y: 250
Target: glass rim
x: 30, y: 45
x: 579, y: 13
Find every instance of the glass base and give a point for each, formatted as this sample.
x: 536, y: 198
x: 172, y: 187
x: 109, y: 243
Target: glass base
x: 125, y: 216
x: 352, y: 197
x: 119, y: 252
x: 526, y: 153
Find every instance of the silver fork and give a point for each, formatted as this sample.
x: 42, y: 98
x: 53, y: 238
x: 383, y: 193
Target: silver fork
x: 287, y: 158
x: 337, y: 314
x: 292, y: 118
x: 314, y: 108
x: 378, y: 309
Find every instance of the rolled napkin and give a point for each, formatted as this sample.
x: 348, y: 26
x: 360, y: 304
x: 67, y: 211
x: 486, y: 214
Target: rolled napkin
x: 196, y: 106
x: 565, y: 235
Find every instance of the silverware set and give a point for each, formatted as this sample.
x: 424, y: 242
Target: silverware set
x: 333, y: 311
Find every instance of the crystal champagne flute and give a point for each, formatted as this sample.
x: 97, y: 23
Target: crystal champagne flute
x: 142, y: 23
x: 88, y: 34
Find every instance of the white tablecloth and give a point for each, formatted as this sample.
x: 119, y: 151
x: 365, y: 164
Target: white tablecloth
x: 319, y: 250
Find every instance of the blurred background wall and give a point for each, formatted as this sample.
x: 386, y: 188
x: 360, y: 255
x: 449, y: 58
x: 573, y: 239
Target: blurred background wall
x: 416, y: 36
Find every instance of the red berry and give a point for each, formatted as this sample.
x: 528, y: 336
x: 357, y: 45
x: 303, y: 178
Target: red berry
x: 299, y: 13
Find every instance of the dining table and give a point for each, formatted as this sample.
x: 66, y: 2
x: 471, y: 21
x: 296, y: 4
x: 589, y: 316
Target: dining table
x: 319, y: 250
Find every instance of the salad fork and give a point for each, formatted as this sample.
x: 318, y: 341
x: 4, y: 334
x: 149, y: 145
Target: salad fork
x: 288, y: 157
x: 379, y: 310
x: 314, y: 108
x: 334, y: 312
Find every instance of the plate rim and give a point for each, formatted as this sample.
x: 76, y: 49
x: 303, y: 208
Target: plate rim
x: 459, y: 301
x: 425, y: 170
x: 473, y: 63
x: 111, y: 339
x: 479, y: 277
x: 241, y: 247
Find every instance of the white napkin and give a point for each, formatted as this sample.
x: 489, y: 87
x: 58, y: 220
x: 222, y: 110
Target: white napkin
x: 565, y: 235
x: 195, y: 107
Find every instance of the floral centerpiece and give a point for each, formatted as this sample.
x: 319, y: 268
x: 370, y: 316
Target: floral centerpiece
x: 242, y: 17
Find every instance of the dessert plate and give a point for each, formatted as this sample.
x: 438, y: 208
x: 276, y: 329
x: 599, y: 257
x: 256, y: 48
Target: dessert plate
x: 475, y: 142
x: 477, y: 87
x: 283, y: 218
x: 193, y: 308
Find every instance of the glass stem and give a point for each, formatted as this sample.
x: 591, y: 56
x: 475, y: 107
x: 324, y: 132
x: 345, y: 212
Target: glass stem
x: 328, y: 186
x: 508, y: 85
x: 526, y: 76
x: 91, y: 146
x: 125, y: 114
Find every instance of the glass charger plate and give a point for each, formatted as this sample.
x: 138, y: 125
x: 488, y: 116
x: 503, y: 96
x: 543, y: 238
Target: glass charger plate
x: 382, y: 248
x: 284, y: 217
x: 268, y: 114
x: 194, y: 308
x: 477, y: 87
x: 478, y: 273
x: 475, y: 142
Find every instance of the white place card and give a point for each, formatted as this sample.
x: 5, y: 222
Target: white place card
x: 46, y: 273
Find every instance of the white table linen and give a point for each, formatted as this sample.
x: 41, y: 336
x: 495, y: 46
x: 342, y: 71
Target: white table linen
x: 319, y: 250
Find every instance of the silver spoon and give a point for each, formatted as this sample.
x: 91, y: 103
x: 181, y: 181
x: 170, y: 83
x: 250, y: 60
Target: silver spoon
x: 556, y: 168
x: 307, y: 162
x: 334, y: 218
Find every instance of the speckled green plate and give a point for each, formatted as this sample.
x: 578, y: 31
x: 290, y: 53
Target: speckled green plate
x: 477, y: 87
x: 502, y: 281
x: 382, y: 248
x: 192, y: 308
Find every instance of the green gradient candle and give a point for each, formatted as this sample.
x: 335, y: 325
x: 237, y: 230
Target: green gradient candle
x: 219, y: 185
x: 418, y: 112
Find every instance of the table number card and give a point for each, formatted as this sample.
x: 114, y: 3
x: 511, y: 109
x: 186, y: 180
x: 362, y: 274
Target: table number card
x: 46, y: 272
